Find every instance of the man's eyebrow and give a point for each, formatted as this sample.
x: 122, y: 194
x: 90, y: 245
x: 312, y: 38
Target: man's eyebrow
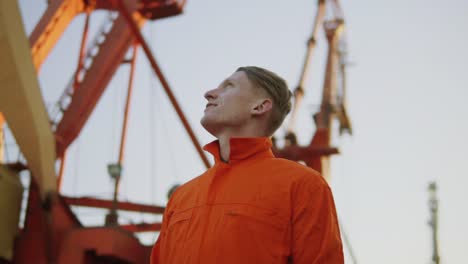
x: 228, y: 81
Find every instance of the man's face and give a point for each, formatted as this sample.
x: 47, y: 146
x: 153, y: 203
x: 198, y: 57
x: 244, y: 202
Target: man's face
x: 230, y: 104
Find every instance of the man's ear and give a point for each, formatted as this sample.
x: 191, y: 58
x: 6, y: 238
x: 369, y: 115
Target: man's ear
x: 262, y: 106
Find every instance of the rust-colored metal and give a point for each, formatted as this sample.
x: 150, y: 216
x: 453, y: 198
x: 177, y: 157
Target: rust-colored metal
x: 84, y: 38
x: 113, y: 212
x: 317, y: 154
x: 108, y: 58
x: 311, y: 43
x: 94, y: 82
x: 127, y: 104
x: 333, y: 30
x: 102, y: 245
x: 60, y: 13
x: 52, y: 234
x: 106, y: 204
x: 47, y: 222
x: 142, y: 227
x: 298, y: 153
x: 79, y: 67
x: 63, y: 159
x: 164, y: 8
x: 134, y: 27
x: 50, y: 28
x: 33, y: 241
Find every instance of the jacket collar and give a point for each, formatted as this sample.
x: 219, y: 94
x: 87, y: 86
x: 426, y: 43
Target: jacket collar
x: 242, y: 148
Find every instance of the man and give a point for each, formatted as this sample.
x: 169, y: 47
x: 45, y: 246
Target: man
x: 250, y: 207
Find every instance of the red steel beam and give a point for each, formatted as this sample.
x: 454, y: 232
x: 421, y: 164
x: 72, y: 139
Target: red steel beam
x: 82, y: 54
x: 123, y: 135
x: 298, y: 153
x: 75, y: 85
x: 63, y: 159
x: 142, y: 227
x: 105, y: 63
x: 52, y: 25
x: 60, y: 13
x: 152, y: 9
x: 103, y: 67
x: 127, y: 104
x: 136, y: 31
x: 50, y: 28
x: 106, y: 204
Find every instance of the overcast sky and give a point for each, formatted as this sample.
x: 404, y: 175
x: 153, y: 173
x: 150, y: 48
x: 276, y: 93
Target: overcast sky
x: 407, y: 93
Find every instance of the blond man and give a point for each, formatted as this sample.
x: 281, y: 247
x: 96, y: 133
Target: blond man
x: 250, y: 207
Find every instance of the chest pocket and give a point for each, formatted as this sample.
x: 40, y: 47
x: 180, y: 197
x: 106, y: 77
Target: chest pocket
x: 254, y: 231
x: 249, y: 213
x: 178, y: 223
x: 178, y: 218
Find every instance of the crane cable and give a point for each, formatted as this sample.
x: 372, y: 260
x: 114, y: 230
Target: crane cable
x: 348, y: 244
x: 152, y: 123
x: 155, y: 95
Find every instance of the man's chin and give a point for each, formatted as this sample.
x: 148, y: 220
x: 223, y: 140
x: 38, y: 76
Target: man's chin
x: 210, y: 126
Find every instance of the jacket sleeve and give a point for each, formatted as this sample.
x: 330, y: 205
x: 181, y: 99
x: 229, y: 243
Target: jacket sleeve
x: 155, y: 257
x: 315, y: 230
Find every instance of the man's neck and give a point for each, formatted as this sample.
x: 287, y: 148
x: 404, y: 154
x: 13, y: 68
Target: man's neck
x: 224, y: 147
x: 224, y: 141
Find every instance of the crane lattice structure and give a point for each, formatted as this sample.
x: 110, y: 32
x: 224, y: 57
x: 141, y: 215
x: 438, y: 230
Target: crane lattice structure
x: 51, y: 232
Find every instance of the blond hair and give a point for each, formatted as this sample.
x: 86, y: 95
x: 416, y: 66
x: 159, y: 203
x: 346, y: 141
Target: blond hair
x: 277, y: 89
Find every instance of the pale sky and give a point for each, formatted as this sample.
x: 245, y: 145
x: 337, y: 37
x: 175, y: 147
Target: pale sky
x: 407, y: 93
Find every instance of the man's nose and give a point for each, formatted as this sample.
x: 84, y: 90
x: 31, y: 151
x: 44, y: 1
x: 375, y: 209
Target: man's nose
x: 211, y: 94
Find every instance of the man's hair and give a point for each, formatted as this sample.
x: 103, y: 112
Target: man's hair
x: 277, y: 89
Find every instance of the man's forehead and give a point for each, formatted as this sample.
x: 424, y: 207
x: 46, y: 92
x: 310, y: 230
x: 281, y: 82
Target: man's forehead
x: 237, y: 77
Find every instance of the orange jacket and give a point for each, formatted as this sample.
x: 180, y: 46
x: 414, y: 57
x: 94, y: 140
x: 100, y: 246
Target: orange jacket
x: 254, y: 209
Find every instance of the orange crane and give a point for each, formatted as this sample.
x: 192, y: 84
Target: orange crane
x: 51, y: 232
x: 333, y: 104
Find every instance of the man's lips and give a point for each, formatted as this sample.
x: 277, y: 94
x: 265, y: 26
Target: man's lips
x: 210, y: 104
